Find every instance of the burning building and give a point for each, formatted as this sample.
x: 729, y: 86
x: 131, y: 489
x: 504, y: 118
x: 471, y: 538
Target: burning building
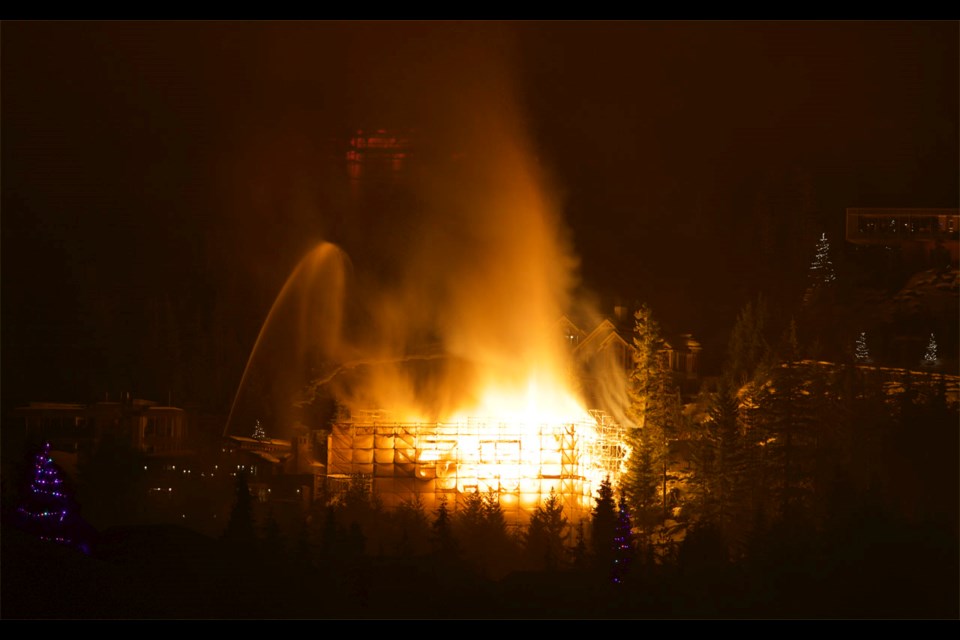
x: 440, y: 329
x: 520, y: 462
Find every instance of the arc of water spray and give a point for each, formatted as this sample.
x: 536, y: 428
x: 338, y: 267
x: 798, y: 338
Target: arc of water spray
x: 319, y: 382
x: 321, y: 252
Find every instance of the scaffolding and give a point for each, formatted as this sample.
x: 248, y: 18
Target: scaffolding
x: 519, y: 463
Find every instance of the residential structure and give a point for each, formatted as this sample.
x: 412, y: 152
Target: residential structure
x: 925, y: 237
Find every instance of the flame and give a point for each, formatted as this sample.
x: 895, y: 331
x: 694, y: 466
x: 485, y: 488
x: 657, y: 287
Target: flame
x: 541, y: 400
x: 479, y: 272
x: 519, y: 442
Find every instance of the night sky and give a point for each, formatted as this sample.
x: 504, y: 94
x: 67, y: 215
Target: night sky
x: 148, y: 165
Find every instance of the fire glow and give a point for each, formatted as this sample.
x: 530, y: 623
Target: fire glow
x: 455, y: 376
x: 492, y: 278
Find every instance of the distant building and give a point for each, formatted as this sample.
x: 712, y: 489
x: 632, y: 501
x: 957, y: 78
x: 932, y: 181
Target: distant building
x: 147, y: 426
x: 927, y: 237
x: 610, y: 343
x: 278, y: 469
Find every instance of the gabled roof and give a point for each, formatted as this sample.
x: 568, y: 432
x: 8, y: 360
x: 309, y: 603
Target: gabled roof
x: 566, y: 325
x: 604, y: 333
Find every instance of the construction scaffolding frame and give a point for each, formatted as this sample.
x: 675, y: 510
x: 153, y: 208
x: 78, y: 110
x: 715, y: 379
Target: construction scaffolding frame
x: 518, y: 463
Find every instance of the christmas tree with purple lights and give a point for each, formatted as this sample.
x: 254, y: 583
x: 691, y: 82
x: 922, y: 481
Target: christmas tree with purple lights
x: 46, y: 508
x: 622, y: 544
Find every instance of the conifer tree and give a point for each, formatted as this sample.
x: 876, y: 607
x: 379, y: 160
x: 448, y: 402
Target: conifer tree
x: 862, y: 354
x: 747, y: 349
x: 413, y: 524
x: 494, y: 522
x: 580, y: 554
x: 46, y: 508
x: 720, y: 464
x: 602, y: 525
x: 500, y: 547
x: 240, y: 529
x: 821, y: 270
x: 654, y: 409
x: 623, y: 544
x: 444, y: 544
x: 930, y: 358
x: 547, y: 533
x: 471, y: 529
x: 791, y: 414
x: 821, y: 274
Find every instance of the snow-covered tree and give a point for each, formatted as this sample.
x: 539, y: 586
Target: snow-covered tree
x: 821, y: 274
x: 930, y: 358
x: 862, y: 354
x: 821, y: 270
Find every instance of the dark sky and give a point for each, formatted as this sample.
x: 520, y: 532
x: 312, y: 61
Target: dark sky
x: 171, y: 160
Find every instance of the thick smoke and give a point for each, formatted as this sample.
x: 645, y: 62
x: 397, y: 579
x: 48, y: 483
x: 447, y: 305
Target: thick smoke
x: 462, y: 268
x: 485, y: 270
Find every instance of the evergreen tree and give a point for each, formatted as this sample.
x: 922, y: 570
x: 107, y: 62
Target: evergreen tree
x: 648, y: 374
x: 747, y: 349
x: 482, y: 533
x: 580, y: 553
x: 821, y: 274
x: 501, y: 549
x: 240, y: 529
x: 789, y: 348
x: 258, y: 432
x: 720, y: 464
x: 360, y: 504
x: 547, y: 533
x: 791, y: 416
x: 655, y: 411
x: 444, y: 543
x: 623, y: 544
x: 862, y: 354
x: 930, y: 358
x: 643, y: 481
x: 494, y: 522
x: 821, y: 270
x: 470, y: 529
x: 414, y: 527
x: 46, y: 509
x: 603, y: 523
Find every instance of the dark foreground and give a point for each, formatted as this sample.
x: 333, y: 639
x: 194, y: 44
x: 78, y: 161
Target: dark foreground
x: 168, y: 572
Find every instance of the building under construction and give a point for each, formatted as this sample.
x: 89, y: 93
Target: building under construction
x: 520, y: 463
